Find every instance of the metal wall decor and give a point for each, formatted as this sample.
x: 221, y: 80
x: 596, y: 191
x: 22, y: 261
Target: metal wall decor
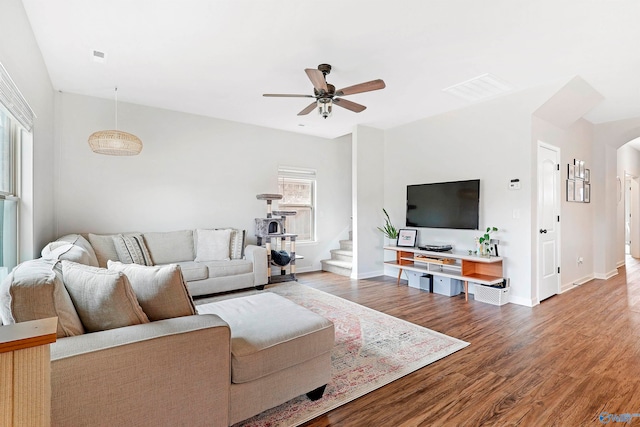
x: 578, y: 182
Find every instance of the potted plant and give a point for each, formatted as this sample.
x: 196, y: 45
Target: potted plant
x: 485, y: 242
x: 388, y: 230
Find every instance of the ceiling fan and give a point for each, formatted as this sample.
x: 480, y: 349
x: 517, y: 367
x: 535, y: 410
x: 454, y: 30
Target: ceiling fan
x: 326, y: 94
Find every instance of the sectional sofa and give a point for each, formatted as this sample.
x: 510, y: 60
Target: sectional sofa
x: 211, y: 260
x: 133, y: 350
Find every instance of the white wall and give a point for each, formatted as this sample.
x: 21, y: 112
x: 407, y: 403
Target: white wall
x: 628, y: 162
x: 490, y: 141
x: 193, y: 172
x: 607, y: 197
x: 368, y: 201
x: 21, y: 57
x: 575, y: 142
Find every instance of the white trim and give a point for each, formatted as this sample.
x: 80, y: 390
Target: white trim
x: 370, y: 275
x: 569, y: 286
x: 606, y: 276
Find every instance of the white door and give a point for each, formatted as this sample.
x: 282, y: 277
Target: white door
x: 548, y: 229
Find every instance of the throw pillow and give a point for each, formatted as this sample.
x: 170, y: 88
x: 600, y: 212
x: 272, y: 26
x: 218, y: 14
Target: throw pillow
x: 34, y: 290
x: 64, y: 250
x: 161, y: 290
x: 86, y: 256
x: 131, y: 249
x: 104, y: 248
x: 236, y: 247
x: 212, y: 245
x: 103, y: 298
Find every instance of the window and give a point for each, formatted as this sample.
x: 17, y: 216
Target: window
x: 16, y: 119
x: 297, y: 187
x: 9, y: 133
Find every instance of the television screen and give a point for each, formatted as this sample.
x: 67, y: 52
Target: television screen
x: 444, y: 205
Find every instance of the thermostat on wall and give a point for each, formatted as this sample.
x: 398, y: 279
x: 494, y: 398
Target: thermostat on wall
x: 514, y: 184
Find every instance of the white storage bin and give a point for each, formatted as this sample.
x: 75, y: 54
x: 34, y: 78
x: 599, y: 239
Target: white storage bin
x: 491, y: 295
x: 413, y: 278
x: 446, y: 286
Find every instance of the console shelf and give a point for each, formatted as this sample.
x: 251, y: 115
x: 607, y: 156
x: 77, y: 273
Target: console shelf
x: 468, y: 268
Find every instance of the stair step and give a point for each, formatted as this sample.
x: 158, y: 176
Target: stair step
x: 341, y: 255
x: 346, y: 245
x: 342, y: 268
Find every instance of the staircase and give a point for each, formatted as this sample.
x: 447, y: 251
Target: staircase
x: 341, y: 259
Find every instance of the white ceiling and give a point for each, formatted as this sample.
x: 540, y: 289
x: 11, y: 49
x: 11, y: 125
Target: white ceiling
x: 217, y: 57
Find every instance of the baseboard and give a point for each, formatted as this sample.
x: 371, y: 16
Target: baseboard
x: 606, y: 276
x: 527, y: 302
x: 569, y: 286
x: 370, y: 274
x: 621, y: 263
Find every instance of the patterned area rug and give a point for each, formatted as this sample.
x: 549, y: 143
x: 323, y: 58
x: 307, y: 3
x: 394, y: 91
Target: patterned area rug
x: 372, y: 349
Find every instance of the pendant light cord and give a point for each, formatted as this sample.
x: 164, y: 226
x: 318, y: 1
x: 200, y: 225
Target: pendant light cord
x: 116, y: 107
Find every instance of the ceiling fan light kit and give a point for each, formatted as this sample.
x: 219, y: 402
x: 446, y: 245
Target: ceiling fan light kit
x: 325, y: 107
x: 326, y: 94
x: 115, y: 142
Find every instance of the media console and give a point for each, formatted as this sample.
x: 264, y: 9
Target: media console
x: 468, y: 268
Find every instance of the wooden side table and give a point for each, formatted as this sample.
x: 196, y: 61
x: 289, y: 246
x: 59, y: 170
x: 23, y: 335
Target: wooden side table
x: 25, y: 370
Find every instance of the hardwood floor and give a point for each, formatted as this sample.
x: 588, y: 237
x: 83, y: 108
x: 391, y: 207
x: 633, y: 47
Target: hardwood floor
x: 564, y: 362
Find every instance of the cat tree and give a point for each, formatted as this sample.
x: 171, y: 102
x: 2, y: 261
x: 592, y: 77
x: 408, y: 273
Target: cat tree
x: 271, y: 231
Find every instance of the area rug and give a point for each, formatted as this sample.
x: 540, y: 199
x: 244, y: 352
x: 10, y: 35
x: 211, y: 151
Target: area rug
x: 372, y: 349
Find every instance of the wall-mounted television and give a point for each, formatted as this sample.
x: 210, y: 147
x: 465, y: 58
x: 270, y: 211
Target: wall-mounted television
x: 453, y: 205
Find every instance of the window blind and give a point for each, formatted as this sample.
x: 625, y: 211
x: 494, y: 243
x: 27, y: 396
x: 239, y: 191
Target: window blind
x: 13, y: 100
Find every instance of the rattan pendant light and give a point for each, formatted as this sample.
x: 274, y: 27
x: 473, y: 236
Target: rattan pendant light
x: 115, y: 142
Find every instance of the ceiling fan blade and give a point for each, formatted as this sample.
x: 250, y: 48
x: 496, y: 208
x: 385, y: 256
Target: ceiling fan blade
x: 362, y: 87
x: 349, y: 105
x: 286, y: 95
x: 307, y: 110
x: 317, y: 78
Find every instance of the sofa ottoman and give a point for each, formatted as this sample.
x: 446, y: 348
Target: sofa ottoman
x: 279, y: 350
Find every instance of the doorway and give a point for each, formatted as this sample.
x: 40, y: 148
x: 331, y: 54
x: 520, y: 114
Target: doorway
x: 548, y: 227
x: 631, y: 215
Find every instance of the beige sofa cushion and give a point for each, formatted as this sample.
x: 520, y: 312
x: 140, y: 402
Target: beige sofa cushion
x: 103, y: 299
x: 104, y: 248
x: 228, y: 268
x: 269, y: 333
x: 160, y: 290
x: 34, y: 290
x: 192, y: 271
x: 170, y: 247
x: 213, y: 245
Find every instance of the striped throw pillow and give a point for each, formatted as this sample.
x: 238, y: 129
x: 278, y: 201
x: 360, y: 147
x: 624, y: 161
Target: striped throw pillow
x: 236, y: 244
x: 131, y: 249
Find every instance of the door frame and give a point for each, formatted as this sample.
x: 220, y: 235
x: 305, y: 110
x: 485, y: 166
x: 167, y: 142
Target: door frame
x: 634, y: 224
x: 558, y: 201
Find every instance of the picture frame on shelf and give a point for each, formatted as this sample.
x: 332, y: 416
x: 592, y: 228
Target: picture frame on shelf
x: 407, y: 238
x: 571, y: 172
x: 587, y: 193
x: 571, y: 190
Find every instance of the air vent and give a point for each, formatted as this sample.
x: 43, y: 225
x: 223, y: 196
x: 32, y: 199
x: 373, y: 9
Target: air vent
x: 481, y: 87
x: 98, y: 56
